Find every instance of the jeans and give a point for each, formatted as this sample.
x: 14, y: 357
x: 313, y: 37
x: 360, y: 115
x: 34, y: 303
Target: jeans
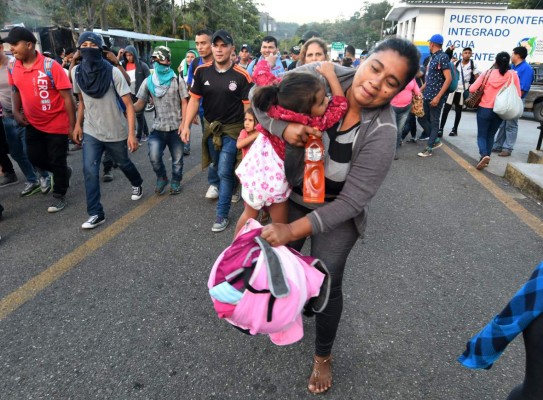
x: 430, y: 121
x: 158, y: 140
x: 410, y: 126
x: 488, y: 123
x: 457, y: 110
x: 221, y: 172
x: 507, y: 134
x: 141, y: 125
x: 92, y: 154
x: 16, y: 139
x: 48, y: 152
x: 332, y: 248
x: 401, y: 117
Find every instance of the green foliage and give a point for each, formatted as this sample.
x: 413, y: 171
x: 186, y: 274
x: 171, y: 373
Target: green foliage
x: 526, y: 4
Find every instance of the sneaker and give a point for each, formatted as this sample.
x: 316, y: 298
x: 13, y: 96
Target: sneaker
x: 161, y: 184
x: 45, y: 184
x: 175, y: 188
x: 236, y: 196
x: 58, y: 205
x: 137, y: 192
x: 93, y: 222
x: 212, y: 192
x: 453, y: 133
x: 220, y: 224
x: 483, y: 162
x: 76, y: 147
x: 504, y: 153
x: 437, y: 144
x: 440, y: 133
x: 8, y: 179
x: 425, y: 153
x: 108, y: 176
x: 412, y: 140
x: 30, y: 189
x: 424, y: 137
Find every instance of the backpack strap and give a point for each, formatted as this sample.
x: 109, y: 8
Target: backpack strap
x: 47, y: 68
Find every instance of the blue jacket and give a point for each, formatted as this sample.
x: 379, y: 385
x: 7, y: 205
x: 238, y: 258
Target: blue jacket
x: 525, y: 75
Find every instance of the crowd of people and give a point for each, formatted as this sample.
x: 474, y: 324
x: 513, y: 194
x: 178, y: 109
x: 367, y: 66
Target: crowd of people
x: 258, y: 108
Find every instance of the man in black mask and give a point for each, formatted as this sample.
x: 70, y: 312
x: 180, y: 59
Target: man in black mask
x: 105, y: 121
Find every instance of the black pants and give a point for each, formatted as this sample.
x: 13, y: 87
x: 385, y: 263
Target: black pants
x: 48, y: 152
x: 332, y: 248
x: 5, y: 162
x: 457, y: 110
x: 141, y: 125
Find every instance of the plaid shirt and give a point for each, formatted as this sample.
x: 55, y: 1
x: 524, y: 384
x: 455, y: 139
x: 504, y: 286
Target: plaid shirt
x: 488, y: 345
x: 168, y: 107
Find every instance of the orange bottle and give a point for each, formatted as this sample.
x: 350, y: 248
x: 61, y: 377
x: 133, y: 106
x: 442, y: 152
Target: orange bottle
x: 314, y: 171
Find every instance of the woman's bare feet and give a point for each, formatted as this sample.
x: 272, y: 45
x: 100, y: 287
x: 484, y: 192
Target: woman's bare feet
x: 321, y: 375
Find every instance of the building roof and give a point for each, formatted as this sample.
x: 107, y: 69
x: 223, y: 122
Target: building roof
x: 399, y: 8
x: 134, y: 35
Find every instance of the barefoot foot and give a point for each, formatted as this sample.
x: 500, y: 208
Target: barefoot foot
x: 321, y: 375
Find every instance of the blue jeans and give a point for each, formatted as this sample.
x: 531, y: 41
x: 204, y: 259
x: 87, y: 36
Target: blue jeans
x: 92, y: 154
x: 430, y: 121
x: 488, y: 123
x: 401, y: 117
x: 221, y: 172
x: 16, y: 139
x: 507, y: 134
x: 158, y: 140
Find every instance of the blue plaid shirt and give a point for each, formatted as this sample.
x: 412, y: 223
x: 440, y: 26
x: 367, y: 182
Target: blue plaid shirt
x: 435, y: 79
x: 488, y: 345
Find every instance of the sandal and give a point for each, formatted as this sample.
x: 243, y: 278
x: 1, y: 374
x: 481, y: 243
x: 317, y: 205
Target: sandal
x: 316, y: 373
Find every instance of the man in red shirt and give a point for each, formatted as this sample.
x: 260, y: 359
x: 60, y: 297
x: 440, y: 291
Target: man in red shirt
x: 42, y: 102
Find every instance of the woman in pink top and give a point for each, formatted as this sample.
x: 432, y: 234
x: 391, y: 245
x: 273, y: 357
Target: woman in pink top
x: 401, y: 104
x: 488, y: 121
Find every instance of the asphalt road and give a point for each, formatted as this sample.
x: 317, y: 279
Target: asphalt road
x: 132, y: 318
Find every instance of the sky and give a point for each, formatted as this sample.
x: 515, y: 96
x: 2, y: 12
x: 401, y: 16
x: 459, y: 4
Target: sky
x: 303, y: 11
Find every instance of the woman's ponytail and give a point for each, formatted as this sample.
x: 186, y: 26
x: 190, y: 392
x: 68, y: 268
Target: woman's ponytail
x: 502, y: 62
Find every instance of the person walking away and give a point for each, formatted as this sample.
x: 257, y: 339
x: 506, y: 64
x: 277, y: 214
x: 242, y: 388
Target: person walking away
x: 224, y: 89
x: 468, y: 72
x: 42, y: 102
x: 170, y: 98
x: 487, y: 120
x: 507, y: 133
x: 137, y: 70
x: 438, y: 79
x: 401, y: 105
x: 104, y: 98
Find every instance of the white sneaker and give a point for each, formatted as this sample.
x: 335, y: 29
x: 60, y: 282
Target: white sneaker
x: 212, y: 192
x: 93, y: 222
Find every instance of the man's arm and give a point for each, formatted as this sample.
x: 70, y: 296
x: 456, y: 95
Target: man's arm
x: 77, y: 133
x: 17, y: 106
x: 191, y: 111
x: 131, y: 117
x: 66, y: 94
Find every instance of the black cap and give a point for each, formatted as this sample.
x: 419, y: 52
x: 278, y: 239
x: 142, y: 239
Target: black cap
x: 245, y: 46
x: 19, y: 33
x: 222, y: 34
x: 295, y: 50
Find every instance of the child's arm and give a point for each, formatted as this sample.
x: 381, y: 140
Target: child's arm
x: 246, y: 140
x: 326, y: 69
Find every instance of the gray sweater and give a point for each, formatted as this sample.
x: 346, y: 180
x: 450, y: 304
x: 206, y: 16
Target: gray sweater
x: 373, y: 152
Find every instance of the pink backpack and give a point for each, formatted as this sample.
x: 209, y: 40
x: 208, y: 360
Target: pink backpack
x: 263, y: 289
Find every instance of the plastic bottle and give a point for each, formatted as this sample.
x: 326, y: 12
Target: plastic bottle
x: 313, y: 187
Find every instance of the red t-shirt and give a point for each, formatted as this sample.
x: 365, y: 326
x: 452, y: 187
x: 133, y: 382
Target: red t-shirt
x: 42, y: 104
x: 130, y: 66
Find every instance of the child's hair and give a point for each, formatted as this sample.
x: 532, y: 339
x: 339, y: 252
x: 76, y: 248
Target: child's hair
x: 252, y: 114
x: 296, y: 92
x: 502, y: 62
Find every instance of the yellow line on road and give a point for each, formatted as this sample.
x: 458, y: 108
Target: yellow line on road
x: 524, y: 215
x: 54, y: 272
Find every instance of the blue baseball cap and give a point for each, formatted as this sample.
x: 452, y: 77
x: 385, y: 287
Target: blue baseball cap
x: 90, y: 37
x: 437, y: 39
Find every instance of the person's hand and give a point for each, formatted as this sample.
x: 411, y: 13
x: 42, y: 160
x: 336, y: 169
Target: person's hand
x: 452, y: 47
x: 271, y: 59
x: 120, y: 53
x: 277, y: 234
x: 77, y: 57
x: 296, y: 134
x: 185, y: 134
x: 21, y: 119
x: 434, y: 102
x: 326, y: 69
x: 77, y: 134
x: 132, y: 143
x: 111, y: 57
